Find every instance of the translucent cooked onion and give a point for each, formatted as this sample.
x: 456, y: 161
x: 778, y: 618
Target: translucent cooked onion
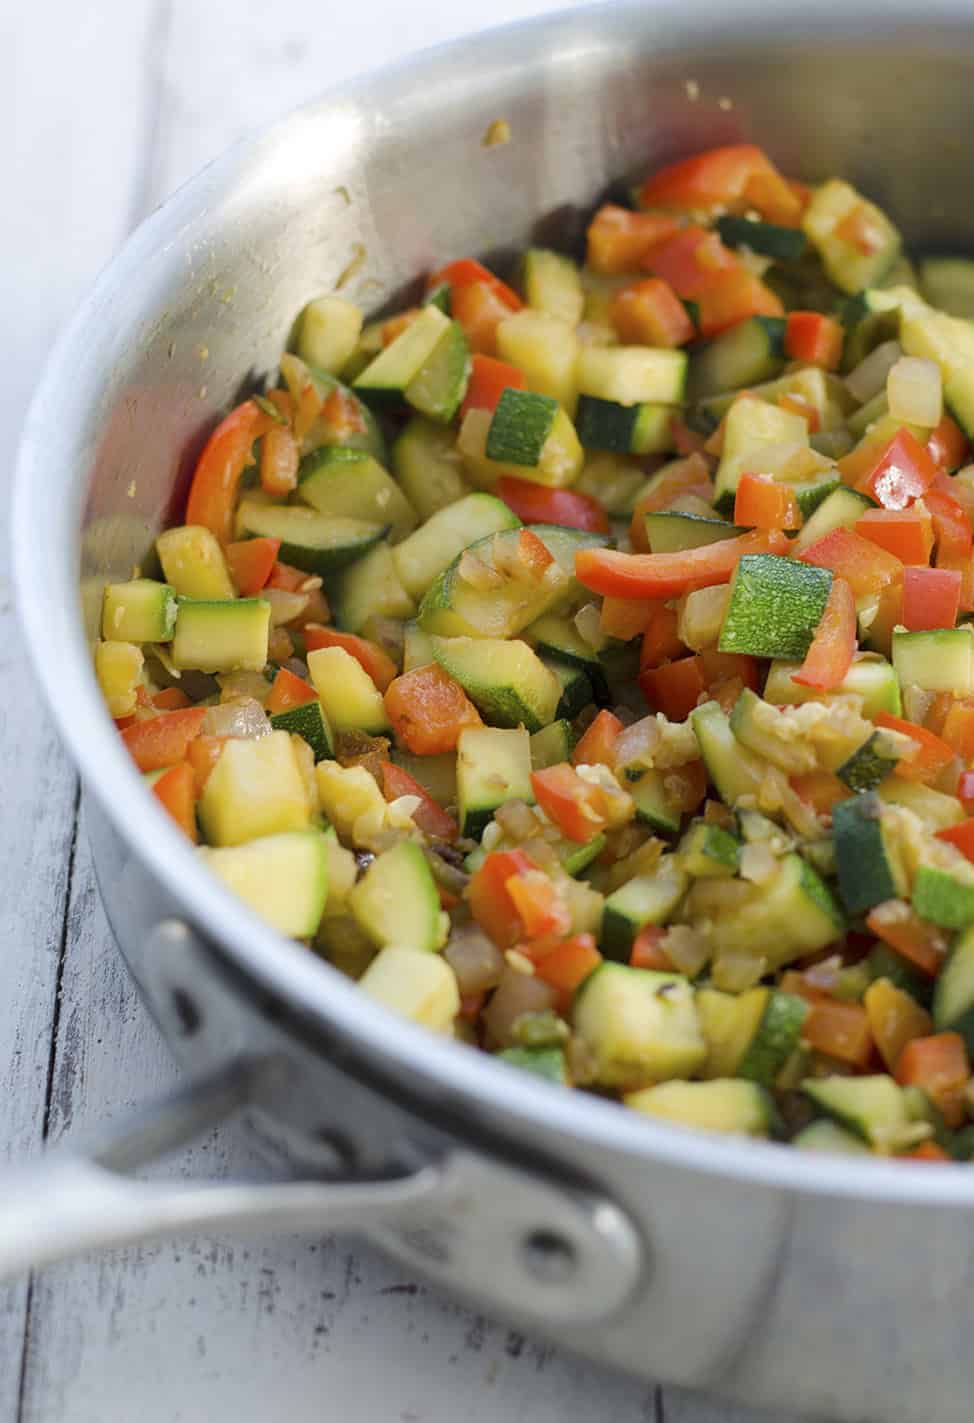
x: 588, y: 625
x: 234, y: 685
x: 824, y: 975
x: 241, y: 716
x: 686, y: 948
x: 736, y: 972
x: 636, y: 745
x: 917, y: 701
x: 285, y: 606
x: 477, y: 962
x: 701, y: 616
x: 915, y: 391
x: 517, y: 994
x: 869, y: 376
x: 758, y: 863
x: 478, y: 574
x: 517, y: 820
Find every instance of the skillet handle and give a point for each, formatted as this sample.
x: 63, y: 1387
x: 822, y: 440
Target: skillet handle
x: 465, y: 1220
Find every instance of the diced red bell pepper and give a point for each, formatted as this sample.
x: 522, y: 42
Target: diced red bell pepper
x: 227, y: 453
x: 578, y: 808
x: 841, y: 1030
x: 660, y: 640
x: 287, y: 577
x: 931, y: 598
x: 369, y: 655
x: 940, y: 1067
x: 954, y: 540
x: 668, y: 575
x: 598, y: 745
x: 733, y: 298
x: 948, y: 446
x: 905, y: 533
x: 690, y: 475
x: 479, y: 310
x: 904, y: 471
x: 429, y: 816
x: 865, y: 566
x: 279, y: 458
x: 487, y: 894
x: 647, y: 950
x: 833, y: 647
x: 649, y: 313
x: 536, y: 504
x: 763, y: 503
x: 618, y: 239
x: 536, y: 900
x: 466, y: 272
x: 175, y: 789
x: 690, y: 261
x: 251, y: 562
x: 820, y: 789
x: 288, y: 691
x: 735, y: 176
x: 899, y: 925
x: 203, y: 753
x: 162, y: 740
x: 814, y: 339
x: 489, y: 378
x: 926, y: 1151
x: 568, y: 966
x: 624, y: 618
x: 171, y: 699
x: 960, y: 836
x: 932, y: 754
x: 958, y: 729
x: 965, y: 790
x: 340, y: 417
x: 429, y: 710
x: 675, y: 688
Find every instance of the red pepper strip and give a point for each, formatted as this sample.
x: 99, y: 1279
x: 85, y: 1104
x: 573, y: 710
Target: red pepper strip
x: 903, y: 472
x: 668, y: 575
x: 535, y: 504
x: 429, y: 816
x: 579, y: 809
x: 213, y: 492
x: 931, y: 598
x: 830, y: 655
x: 814, y: 339
x: 489, y: 378
x: 932, y: 755
x: 279, y: 458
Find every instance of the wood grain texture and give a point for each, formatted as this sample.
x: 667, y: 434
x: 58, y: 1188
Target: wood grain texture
x: 198, y: 1330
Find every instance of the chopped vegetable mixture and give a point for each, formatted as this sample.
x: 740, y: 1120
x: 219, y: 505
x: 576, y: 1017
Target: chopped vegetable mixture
x: 586, y: 664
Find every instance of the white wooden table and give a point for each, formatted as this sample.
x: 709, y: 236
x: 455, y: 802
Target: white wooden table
x: 105, y: 108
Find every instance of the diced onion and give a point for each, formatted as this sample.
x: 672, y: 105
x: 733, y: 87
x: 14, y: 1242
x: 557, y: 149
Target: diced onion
x: 917, y: 701
x: 588, y: 625
x: 869, y: 376
x: 242, y: 717
x: 517, y: 820
x: 517, y: 994
x: 915, y: 391
x: 477, y: 962
x: 701, y: 616
x: 285, y: 606
x: 234, y: 685
x: 637, y: 743
x: 478, y: 574
x: 686, y: 948
x: 758, y: 863
x: 736, y: 972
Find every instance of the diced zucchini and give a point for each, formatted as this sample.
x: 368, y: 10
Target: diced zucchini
x: 842, y: 509
x: 396, y: 901
x: 647, y: 899
x: 937, y: 810
x: 734, y: 770
x: 944, y: 894
x: 751, y: 425
x: 813, y: 492
x: 670, y: 532
x: 436, y: 774
x: 351, y: 800
x: 428, y: 466
x: 369, y: 588
x: 709, y: 851
x: 632, y: 375
x: 871, y: 1108
x: 851, y: 268
x: 775, y: 606
x: 724, y: 1105
x: 435, y: 545
x: 328, y: 332
x: 350, y: 483
x: 745, y: 354
x: 221, y: 636
x: 948, y: 284
x: 438, y: 387
x: 417, y: 650
x: 953, y: 995
x: 118, y: 667
x: 826, y: 1136
x: 641, y: 429
x: 551, y: 283
x: 556, y: 635
x: 870, y: 677
x: 416, y: 985
x: 493, y: 767
x: 776, y: 1037
x: 546, y: 1062
x: 310, y: 723
x: 949, y: 341
x: 316, y: 542
x: 559, y: 463
x: 521, y: 424
x: 545, y: 349
x: 283, y: 878
x: 791, y: 915
x: 941, y: 660
x: 786, y: 244
x: 651, y: 802
x: 384, y: 380
x: 505, y: 679
x: 869, y: 865
x: 884, y: 962
x: 141, y: 610
x: 349, y: 697
x: 869, y: 764
x: 640, y: 1027
x: 193, y: 563
x: 730, y: 1023
x: 552, y: 745
x: 576, y: 689
x: 255, y: 789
